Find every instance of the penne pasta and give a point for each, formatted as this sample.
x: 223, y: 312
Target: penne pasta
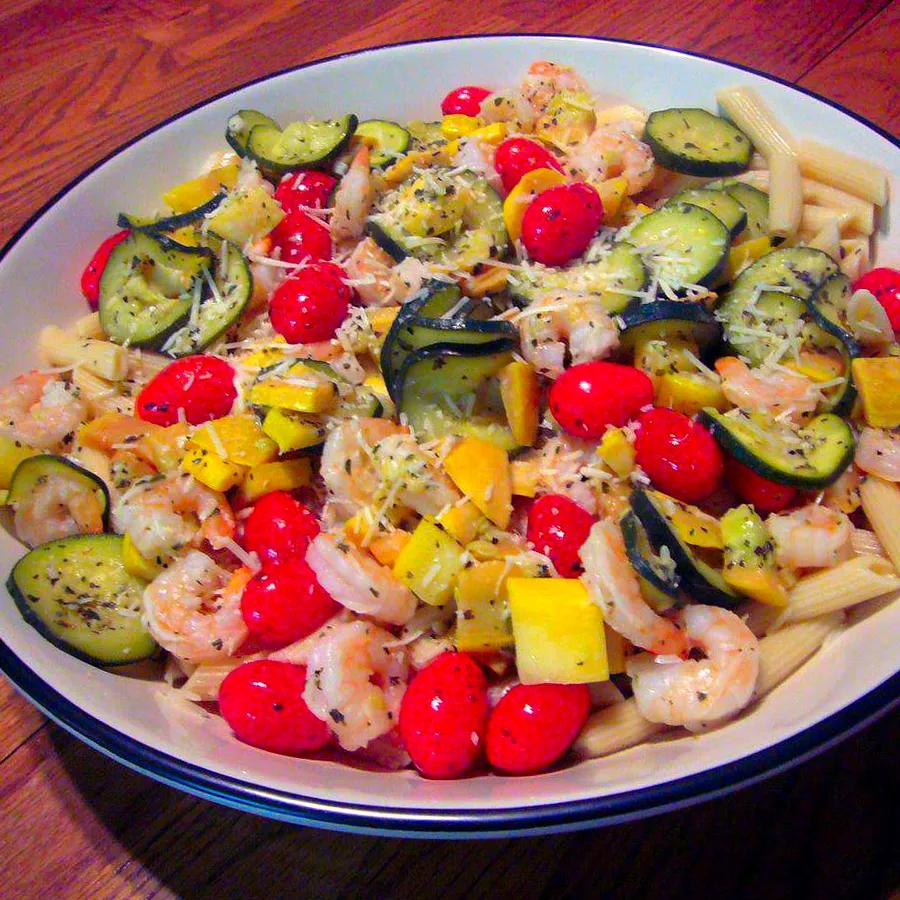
x: 816, y: 218
x: 144, y: 364
x: 866, y: 542
x: 828, y: 240
x: 101, y: 396
x: 851, y: 174
x: 854, y: 257
x: 204, y: 683
x: 881, y: 503
x: 89, y: 327
x: 102, y: 358
x: 614, y: 728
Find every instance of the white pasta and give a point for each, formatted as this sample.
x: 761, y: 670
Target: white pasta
x: 89, y: 327
x: 103, y: 358
x: 612, y: 729
x: 854, y: 257
x: 204, y: 683
x: 101, y: 396
x: 881, y: 502
x: 856, y: 176
x: 815, y: 218
x: 828, y: 240
x: 866, y: 542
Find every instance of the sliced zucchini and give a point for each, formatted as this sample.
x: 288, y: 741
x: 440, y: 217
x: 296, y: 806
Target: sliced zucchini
x: 147, y: 288
x: 239, y: 126
x: 68, y: 482
x: 659, y: 584
x: 684, y: 244
x: 299, y: 145
x: 810, y: 457
x: 170, y: 223
x: 77, y: 593
x: 388, y: 139
x: 756, y: 205
x: 696, y: 142
x: 701, y: 581
x: 221, y: 302
x: 670, y: 320
x: 615, y: 278
x: 425, y: 135
x: 721, y: 204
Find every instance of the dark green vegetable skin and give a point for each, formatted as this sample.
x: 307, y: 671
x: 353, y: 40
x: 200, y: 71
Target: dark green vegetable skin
x: 662, y: 592
x: 170, y: 223
x: 671, y: 319
x: 696, y: 142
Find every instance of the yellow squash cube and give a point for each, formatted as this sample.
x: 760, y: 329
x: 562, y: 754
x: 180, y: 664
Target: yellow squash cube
x: 531, y: 184
x: 689, y: 393
x: 164, y: 447
x: 462, y: 522
x: 481, y: 471
x: 878, y: 380
x: 387, y: 547
x: 495, y: 133
x: 615, y: 650
x: 429, y: 564
x: 284, y: 475
x: 521, y: 394
x: 613, y: 192
x: 245, y: 216
x: 524, y: 477
x: 210, y: 469
x: 138, y: 565
x: 12, y: 452
x: 456, y: 126
x: 241, y: 438
x: 742, y: 254
x: 482, y: 616
x: 301, y: 389
x: 292, y: 431
x: 617, y: 452
x: 193, y: 193
x: 558, y: 631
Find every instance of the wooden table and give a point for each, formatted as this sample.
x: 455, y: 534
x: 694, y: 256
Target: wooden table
x: 78, y: 78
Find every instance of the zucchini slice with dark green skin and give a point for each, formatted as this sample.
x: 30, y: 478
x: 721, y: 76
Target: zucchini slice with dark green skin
x: 390, y: 140
x: 425, y: 135
x: 721, y: 204
x: 299, y: 145
x: 756, y: 205
x: 45, y: 471
x: 696, y: 142
x: 147, y: 288
x: 686, y: 245
x: 658, y: 587
x: 670, y: 320
x: 810, y: 457
x: 700, y: 581
x: 77, y: 593
x: 223, y: 299
x: 170, y: 223
x: 239, y: 126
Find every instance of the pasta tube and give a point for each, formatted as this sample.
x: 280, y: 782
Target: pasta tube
x: 614, y: 728
x: 881, y: 502
x: 845, y: 172
x: 854, y: 257
x: 103, y: 358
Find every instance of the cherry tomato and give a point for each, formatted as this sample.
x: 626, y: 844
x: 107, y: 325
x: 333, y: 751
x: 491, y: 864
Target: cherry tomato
x: 444, y: 714
x: 679, y: 455
x: 304, y: 189
x: 263, y: 703
x: 279, y: 528
x: 586, y: 399
x: 284, y: 602
x: 300, y: 237
x: 534, y: 724
x: 557, y: 527
x: 884, y: 283
x: 203, y: 386
x: 464, y: 101
x: 310, y: 305
x: 517, y: 156
x: 90, y: 278
x: 767, y: 496
x: 560, y: 223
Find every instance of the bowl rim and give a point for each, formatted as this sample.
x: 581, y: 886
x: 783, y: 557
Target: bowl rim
x: 442, y: 823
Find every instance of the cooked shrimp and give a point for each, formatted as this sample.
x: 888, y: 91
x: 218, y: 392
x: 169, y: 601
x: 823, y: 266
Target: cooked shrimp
x: 545, y: 80
x: 358, y: 582
x: 355, y: 680
x: 697, y: 693
x: 579, y: 319
x: 608, y: 153
x: 57, y: 507
x: 811, y: 537
x: 557, y: 466
x: 843, y: 494
x: 878, y: 453
x: 39, y: 410
x: 193, y: 609
x: 614, y: 587
x: 162, y: 515
x: 353, y: 199
x: 478, y: 157
x: 511, y: 107
x: 376, y: 277
x: 774, y: 391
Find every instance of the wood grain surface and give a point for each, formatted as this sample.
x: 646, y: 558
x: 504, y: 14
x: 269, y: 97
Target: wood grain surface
x: 79, y: 78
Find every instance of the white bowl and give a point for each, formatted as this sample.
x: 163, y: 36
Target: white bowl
x: 845, y: 685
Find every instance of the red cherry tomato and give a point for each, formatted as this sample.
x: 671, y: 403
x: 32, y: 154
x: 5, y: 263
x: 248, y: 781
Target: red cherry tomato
x: 279, y: 528
x: 679, y: 455
x: 557, y: 527
x: 203, y: 386
x: 443, y: 716
x: 90, y: 278
x: 284, y: 602
x: 560, y: 222
x: 304, y: 189
x: 263, y: 703
x: 767, y: 496
x: 884, y: 283
x: 310, y: 305
x: 300, y: 237
x: 534, y: 724
x: 464, y: 101
x: 586, y: 399
x: 517, y: 156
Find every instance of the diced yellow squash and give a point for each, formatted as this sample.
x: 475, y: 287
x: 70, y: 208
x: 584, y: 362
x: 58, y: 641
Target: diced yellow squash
x: 126, y: 467
x: 524, y: 477
x: 878, y: 382
x: 357, y: 528
x: 193, y: 193
x: 283, y: 475
x: 164, y: 447
x: 689, y: 393
x: 663, y: 356
x: 617, y: 452
x: 695, y: 527
x: 495, y: 133
x: 429, y: 564
x: 482, y: 617
x: 268, y: 356
x: 112, y: 428
x: 381, y: 319
x: 626, y: 209
x: 741, y: 254
x: 530, y: 185
x: 462, y: 522
x: 615, y: 650
x: 210, y: 469
x: 138, y: 565
x: 292, y: 431
x: 457, y: 126
x: 763, y: 585
x: 558, y: 631
x: 302, y: 389
x: 521, y: 393
x: 818, y: 367
x: 245, y: 216
x: 375, y: 383
x: 568, y: 120
x: 481, y: 471
x: 494, y: 546
x: 387, y: 547
x: 491, y: 281
x: 240, y: 437
x: 12, y: 452
x: 613, y: 193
